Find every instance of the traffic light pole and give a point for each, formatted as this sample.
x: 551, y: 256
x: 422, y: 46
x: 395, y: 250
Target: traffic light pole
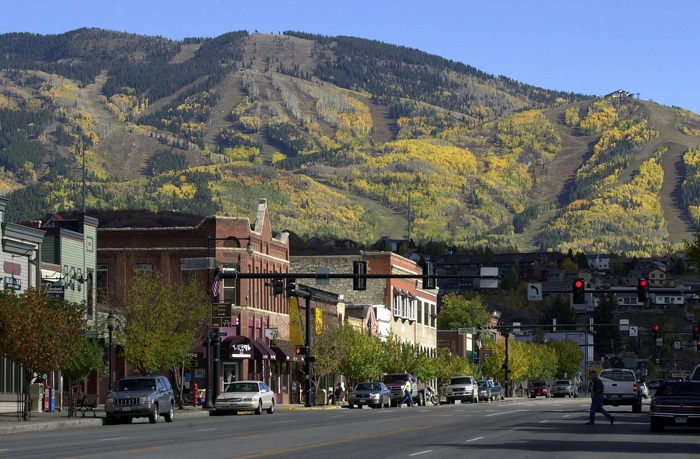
x: 307, y: 358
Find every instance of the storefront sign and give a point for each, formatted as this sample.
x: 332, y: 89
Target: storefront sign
x: 13, y: 283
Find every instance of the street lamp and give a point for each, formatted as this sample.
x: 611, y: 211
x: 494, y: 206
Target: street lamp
x: 110, y: 327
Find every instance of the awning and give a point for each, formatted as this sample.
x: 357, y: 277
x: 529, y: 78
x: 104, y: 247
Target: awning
x: 286, y: 351
x: 268, y: 349
x: 241, y: 347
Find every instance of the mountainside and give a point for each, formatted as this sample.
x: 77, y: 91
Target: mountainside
x: 345, y: 137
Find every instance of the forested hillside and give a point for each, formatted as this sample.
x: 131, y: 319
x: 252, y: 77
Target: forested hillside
x: 345, y: 137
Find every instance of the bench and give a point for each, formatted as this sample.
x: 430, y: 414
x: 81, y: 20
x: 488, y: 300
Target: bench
x: 87, y: 403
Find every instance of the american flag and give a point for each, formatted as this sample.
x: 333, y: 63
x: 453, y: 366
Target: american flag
x: 216, y: 286
x: 478, y: 343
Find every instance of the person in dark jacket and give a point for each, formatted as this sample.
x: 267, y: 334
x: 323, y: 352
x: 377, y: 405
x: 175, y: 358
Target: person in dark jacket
x: 597, y: 389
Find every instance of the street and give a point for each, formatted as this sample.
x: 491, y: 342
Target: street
x: 518, y: 428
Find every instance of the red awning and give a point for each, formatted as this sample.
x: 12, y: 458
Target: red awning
x: 286, y: 351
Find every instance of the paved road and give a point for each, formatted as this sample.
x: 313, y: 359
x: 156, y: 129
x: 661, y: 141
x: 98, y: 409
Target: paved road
x: 520, y: 428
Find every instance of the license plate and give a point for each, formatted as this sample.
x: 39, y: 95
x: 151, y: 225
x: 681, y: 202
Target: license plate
x: 614, y: 396
x: 681, y: 419
x: 362, y: 400
x: 126, y: 408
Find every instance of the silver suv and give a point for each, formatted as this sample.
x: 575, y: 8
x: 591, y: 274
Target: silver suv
x: 141, y: 397
x: 462, y: 388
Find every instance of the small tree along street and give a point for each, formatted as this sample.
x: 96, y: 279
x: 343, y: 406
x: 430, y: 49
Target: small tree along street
x: 162, y: 323
x: 39, y: 333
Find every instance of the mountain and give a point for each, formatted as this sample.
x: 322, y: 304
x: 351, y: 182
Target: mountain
x: 346, y: 138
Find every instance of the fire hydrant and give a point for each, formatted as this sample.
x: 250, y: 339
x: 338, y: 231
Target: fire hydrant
x: 195, y: 395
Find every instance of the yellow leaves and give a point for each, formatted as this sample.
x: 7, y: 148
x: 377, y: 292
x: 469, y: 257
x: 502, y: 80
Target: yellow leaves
x: 601, y: 115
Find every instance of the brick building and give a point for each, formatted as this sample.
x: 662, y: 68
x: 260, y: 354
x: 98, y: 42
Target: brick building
x: 181, y: 246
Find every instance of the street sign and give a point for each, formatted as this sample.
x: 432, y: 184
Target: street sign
x: 634, y: 330
x: 219, y: 322
x: 487, y: 352
x: 624, y: 325
x: 215, y: 334
x: 321, y: 278
x: 534, y: 292
x: 221, y: 310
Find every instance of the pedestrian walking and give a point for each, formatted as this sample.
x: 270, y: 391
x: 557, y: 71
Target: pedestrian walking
x: 597, y: 389
x: 407, y: 397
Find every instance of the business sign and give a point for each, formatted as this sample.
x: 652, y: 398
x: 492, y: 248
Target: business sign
x: 56, y: 293
x: 221, y: 310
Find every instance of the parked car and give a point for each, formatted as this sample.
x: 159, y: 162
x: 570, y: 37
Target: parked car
x: 140, y: 397
x: 539, y: 388
x: 490, y: 391
x: 675, y: 403
x: 374, y: 394
x: 246, y: 396
x: 564, y: 388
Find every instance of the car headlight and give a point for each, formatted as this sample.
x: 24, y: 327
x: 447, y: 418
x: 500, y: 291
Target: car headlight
x: 251, y: 399
x: 145, y: 399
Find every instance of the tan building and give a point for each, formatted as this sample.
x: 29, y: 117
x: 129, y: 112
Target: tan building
x: 413, y: 310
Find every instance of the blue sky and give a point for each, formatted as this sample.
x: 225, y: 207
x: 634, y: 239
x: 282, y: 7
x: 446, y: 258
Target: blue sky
x: 590, y: 46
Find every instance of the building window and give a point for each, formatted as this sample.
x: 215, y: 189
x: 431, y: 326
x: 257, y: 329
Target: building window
x: 396, y: 307
x: 432, y: 315
x: 143, y: 267
x: 419, y: 313
x: 229, y: 291
x: 426, y: 314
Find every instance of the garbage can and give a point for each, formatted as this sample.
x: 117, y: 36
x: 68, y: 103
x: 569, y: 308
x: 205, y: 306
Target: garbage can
x: 321, y: 397
x: 52, y: 399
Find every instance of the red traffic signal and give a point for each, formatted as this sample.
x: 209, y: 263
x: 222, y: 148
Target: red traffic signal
x: 300, y: 350
x: 696, y: 333
x: 656, y: 331
x: 578, y: 289
x: 642, y: 290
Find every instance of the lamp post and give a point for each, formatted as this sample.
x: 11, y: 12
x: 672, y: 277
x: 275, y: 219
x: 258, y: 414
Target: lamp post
x: 110, y: 328
x: 214, y: 340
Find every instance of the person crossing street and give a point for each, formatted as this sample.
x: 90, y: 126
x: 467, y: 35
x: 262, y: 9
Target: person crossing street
x: 597, y: 389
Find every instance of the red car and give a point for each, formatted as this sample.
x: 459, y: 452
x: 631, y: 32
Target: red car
x: 540, y: 388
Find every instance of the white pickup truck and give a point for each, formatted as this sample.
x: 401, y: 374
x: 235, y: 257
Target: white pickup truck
x: 621, y: 388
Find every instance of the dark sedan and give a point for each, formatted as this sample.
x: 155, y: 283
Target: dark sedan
x: 374, y: 394
x: 676, y: 403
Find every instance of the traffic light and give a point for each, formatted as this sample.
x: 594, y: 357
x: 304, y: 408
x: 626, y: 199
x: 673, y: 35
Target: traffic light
x: 300, y: 350
x: 656, y: 331
x: 642, y: 290
x: 359, y: 281
x: 277, y: 286
x: 579, y: 291
x: 291, y: 287
x: 696, y: 333
x: 429, y: 276
x: 697, y: 346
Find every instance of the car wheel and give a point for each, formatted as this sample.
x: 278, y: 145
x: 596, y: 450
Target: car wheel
x: 272, y: 407
x: 110, y: 420
x: 234, y: 412
x: 153, y: 417
x: 170, y: 415
x: 259, y: 409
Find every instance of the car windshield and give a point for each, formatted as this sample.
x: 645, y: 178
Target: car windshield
x: 461, y: 381
x: 692, y: 390
x: 394, y: 378
x: 367, y: 387
x: 136, y: 384
x: 242, y: 387
x: 483, y: 384
x: 540, y: 384
x: 563, y: 382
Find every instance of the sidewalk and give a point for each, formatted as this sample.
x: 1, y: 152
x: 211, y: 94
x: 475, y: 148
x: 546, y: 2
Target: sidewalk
x: 9, y: 423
